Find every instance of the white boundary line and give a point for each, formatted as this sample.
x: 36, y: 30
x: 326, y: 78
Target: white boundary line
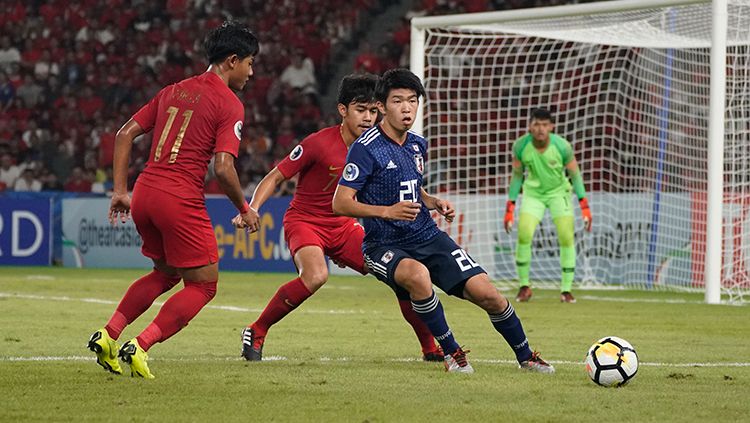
x: 332, y: 311
x: 159, y: 304
x: 348, y: 359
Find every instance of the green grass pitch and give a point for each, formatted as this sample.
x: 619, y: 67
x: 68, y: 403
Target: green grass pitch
x: 347, y: 355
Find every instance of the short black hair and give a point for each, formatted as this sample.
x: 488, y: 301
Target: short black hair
x: 357, y: 88
x: 228, y: 39
x: 394, y: 79
x: 541, y: 114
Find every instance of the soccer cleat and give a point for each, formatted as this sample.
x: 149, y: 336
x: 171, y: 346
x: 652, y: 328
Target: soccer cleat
x: 133, y: 354
x: 252, y: 345
x: 536, y: 364
x: 457, y: 363
x: 106, y: 351
x: 567, y: 297
x: 524, y: 294
x: 435, y: 355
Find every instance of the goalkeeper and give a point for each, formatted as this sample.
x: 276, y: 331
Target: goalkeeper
x: 545, y: 155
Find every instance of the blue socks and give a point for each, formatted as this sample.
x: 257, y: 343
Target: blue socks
x: 509, y: 326
x: 430, y: 310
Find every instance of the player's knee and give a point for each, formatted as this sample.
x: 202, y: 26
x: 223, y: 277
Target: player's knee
x: 566, y: 239
x: 524, y: 237
x: 413, y: 276
x: 314, y: 278
x: 482, y: 293
x: 208, y: 289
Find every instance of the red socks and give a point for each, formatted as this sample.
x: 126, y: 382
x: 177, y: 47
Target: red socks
x: 175, y: 314
x: 287, y: 298
x: 423, y: 333
x: 139, y: 297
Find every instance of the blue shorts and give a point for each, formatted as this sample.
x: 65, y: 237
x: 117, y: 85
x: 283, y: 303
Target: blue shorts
x: 449, y: 265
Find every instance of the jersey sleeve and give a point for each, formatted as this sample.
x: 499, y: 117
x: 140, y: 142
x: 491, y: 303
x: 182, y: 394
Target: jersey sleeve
x: 300, y: 158
x: 229, y: 129
x: 146, y: 115
x: 566, y: 151
x: 359, y: 166
x: 518, y: 147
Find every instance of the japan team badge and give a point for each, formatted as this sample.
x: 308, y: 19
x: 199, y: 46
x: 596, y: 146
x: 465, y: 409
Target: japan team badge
x: 419, y: 161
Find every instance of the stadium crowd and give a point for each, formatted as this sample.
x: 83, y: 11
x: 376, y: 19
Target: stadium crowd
x: 73, y: 71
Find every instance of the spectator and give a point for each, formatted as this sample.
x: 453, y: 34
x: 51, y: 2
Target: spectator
x: 9, y: 54
x: 300, y: 74
x: 367, y: 61
x: 78, y: 181
x: 49, y: 181
x: 30, y: 92
x: 27, y: 181
x: 9, y: 172
x: 7, y: 92
x: 46, y: 66
x: 89, y: 103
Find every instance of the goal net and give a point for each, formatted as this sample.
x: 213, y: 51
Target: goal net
x: 630, y: 90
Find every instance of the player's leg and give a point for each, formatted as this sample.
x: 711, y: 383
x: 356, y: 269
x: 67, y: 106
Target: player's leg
x: 189, y: 246
x: 415, y: 278
x: 313, y: 273
x: 479, y: 290
x: 143, y: 292
x: 532, y: 212
x: 561, y: 210
x: 306, y: 246
x: 399, y: 269
x: 348, y: 251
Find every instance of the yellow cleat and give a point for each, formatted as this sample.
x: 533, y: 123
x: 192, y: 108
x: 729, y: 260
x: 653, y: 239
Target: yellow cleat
x: 106, y: 351
x: 133, y: 354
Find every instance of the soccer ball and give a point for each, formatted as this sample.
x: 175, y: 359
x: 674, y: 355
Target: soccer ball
x: 611, y: 362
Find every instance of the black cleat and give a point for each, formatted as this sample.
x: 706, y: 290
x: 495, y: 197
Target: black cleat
x: 252, y: 345
x: 436, y: 355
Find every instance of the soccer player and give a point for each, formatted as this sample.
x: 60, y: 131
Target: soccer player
x: 311, y: 229
x: 546, y: 156
x: 192, y: 120
x: 403, y: 247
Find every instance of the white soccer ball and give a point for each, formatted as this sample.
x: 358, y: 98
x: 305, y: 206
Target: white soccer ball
x: 611, y: 362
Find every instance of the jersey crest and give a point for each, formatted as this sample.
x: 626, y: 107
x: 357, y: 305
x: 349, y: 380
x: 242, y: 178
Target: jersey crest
x: 419, y: 161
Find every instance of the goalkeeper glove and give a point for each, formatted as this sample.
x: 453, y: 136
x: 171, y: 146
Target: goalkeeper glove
x: 586, y: 213
x: 508, y: 221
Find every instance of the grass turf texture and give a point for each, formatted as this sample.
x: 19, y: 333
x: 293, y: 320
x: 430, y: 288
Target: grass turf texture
x: 347, y: 355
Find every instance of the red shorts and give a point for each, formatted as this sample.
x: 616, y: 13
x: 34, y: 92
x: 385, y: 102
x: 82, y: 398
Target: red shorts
x: 174, y: 229
x: 342, y: 243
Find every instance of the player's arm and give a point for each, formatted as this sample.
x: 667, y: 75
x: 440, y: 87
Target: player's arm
x: 574, y: 172
x: 516, y: 181
x: 227, y: 177
x: 345, y: 204
x: 119, y: 208
x: 444, y: 207
x: 263, y: 191
x: 266, y: 188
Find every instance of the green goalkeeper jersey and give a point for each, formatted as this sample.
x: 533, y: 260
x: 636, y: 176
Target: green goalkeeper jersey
x: 546, y: 170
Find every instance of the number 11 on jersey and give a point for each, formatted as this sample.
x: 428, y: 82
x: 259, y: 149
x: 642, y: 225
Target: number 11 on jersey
x: 180, y: 135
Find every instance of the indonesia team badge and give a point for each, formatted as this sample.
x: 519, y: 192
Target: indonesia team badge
x: 419, y: 161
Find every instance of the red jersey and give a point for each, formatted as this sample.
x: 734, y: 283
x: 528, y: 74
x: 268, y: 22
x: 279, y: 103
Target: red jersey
x: 319, y: 159
x: 192, y: 120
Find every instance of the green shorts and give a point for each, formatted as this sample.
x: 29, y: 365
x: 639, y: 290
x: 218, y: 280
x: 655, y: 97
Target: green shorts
x: 559, y: 205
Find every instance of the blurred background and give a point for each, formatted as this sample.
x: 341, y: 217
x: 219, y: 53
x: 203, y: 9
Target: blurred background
x: 72, y: 72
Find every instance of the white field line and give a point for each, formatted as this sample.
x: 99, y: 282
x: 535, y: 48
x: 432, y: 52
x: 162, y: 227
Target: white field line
x: 214, y: 307
x: 330, y: 311
x: 348, y: 359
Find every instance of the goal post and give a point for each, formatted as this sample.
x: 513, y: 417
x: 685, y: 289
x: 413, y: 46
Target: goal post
x: 643, y: 90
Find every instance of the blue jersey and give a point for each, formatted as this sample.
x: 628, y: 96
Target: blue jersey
x: 384, y: 173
